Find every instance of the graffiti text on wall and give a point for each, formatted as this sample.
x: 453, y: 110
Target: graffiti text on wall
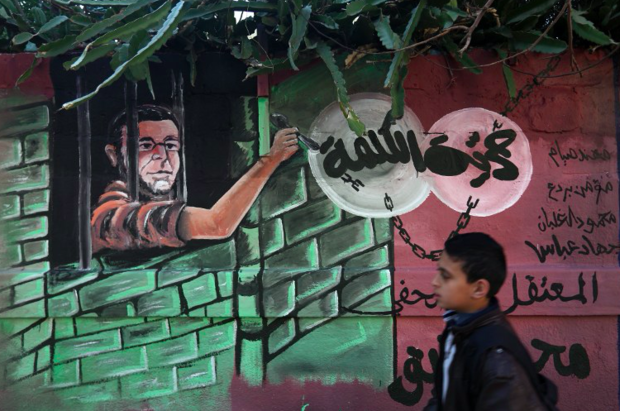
x: 440, y: 159
x: 556, y: 153
x: 550, y: 292
x: 414, y: 372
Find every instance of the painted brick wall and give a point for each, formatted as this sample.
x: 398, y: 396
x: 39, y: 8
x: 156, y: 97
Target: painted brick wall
x: 171, y: 323
x: 24, y: 197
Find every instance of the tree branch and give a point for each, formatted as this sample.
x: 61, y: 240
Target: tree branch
x: 569, y: 23
x: 473, y: 27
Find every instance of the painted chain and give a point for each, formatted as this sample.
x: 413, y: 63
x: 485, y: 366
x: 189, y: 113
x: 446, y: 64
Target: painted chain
x: 537, y: 80
x: 417, y: 249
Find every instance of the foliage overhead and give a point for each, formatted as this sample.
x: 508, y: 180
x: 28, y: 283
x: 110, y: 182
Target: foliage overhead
x: 272, y: 35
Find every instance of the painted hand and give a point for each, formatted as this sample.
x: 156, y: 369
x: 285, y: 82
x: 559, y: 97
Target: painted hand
x: 284, y: 144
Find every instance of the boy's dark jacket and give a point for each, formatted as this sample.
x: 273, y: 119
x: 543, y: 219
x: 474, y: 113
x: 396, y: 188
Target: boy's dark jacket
x: 491, y: 369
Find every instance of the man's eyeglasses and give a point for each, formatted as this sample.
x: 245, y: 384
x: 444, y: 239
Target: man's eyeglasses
x: 170, y: 145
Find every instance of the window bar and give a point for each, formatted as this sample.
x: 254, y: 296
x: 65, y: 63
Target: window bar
x: 133, y: 134
x: 84, y: 139
x: 178, y: 109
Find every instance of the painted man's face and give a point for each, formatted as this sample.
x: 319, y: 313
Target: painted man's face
x: 158, y: 154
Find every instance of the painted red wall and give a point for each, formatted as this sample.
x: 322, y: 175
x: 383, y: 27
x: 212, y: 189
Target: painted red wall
x: 569, y: 112
x: 13, y: 65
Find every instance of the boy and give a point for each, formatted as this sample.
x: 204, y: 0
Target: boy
x: 482, y: 364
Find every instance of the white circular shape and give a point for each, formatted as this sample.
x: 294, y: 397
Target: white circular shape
x: 495, y: 195
x: 399, y: 180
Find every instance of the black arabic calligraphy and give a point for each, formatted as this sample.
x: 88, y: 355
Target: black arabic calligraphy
x: 578, y: 361
x: 565, y: 192
x: 539, y: 293
x: 404, y: 294
x: 413, y: 372
x: 586, y: 247
x: 556, y: 219
x: 439, y: 159
x: 579, y: 154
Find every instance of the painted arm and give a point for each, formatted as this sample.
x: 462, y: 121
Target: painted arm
x: 222, y: 219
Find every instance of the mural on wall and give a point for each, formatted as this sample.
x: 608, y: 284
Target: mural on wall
x: 157, y: 218
x: 222, y: 260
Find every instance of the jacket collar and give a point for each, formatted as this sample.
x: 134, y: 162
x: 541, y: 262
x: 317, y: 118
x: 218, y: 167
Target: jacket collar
x: 463, y: 324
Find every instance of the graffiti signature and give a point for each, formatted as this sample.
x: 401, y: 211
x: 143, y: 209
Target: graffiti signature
x: 556, y: 219
x: 566, y: 250
x: 579, y: 154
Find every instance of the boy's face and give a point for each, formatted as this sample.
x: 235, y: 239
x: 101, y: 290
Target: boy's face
x: 452, y: 290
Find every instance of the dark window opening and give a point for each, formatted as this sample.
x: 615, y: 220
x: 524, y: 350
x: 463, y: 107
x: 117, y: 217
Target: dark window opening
x: 209, y: 125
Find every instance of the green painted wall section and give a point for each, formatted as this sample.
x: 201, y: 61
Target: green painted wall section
x: 177, y: 326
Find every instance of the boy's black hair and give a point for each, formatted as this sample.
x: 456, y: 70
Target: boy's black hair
x: 146, y: 112
x: 481, y: 256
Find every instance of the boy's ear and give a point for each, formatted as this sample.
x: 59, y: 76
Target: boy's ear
x: 481, y: 289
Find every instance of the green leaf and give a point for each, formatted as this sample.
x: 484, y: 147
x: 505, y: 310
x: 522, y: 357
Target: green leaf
x: 135, y: 26
x: 310, y: 44
x: 121, y: 56
x: 10, y: 6
x: 454, y: 11
x: 508, y: 76
x: 358, y: 6
x: 341, y: 90
x: 56, y: 48
x: 389, y: 39
x: 325, y: 21
x: 297, y: 4
x: 531, y: 8
x: 100, y: 26
x: 137, y: 41
x: 38, y: 16
x: 149, y: 81
x: 28, y: 72
x: 52, y: 24
x: 300, y: 24
x: 392, y: 75
x: 138, y: 72
x: 158, y: 40
x: 244, y: 50
x: 398, y: 92
x: 22, y: 38
x: 191, y: 58
x: 446, y: 20
x: 464, y: 59
x: 93, y: 55
x: 81, y: 20
x: 521, y: 40
x: 586, y: 30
